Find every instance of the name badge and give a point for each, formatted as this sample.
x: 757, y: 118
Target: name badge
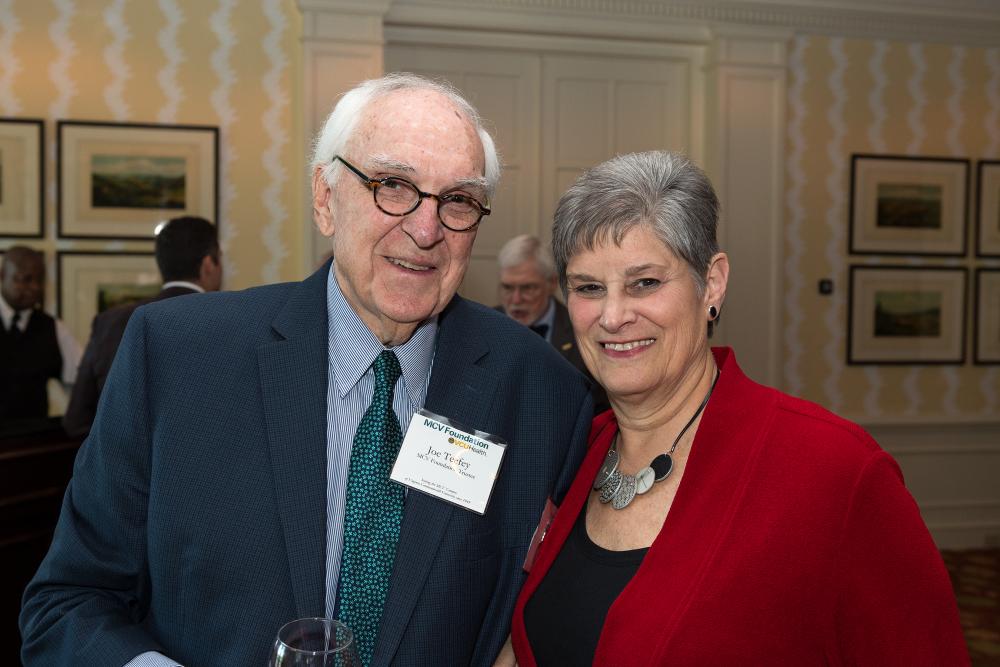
x: 441, y: 459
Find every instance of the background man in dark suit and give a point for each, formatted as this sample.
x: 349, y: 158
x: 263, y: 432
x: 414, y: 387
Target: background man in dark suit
x: 187, y: 254
x: 528, y: 283
x: 34, y: 346
x: 234, y: 476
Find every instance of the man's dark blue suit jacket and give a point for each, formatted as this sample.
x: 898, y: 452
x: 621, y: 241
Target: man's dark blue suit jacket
x: 195, y: 521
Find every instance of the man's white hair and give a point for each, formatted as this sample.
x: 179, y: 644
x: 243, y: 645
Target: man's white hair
x: 340, y: 124
x: 526, y: 247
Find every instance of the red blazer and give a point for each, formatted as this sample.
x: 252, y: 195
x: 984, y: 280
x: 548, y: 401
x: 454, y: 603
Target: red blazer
x: 791, y: 541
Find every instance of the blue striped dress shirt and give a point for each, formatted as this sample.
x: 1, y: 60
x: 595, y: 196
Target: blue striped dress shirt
x: 352, y: 350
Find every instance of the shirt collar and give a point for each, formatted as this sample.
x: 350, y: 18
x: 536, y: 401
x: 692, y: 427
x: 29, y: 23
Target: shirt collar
x: 183, y: 283
x: 7, y: 313
x: 353, y: 347
x: 548, y: 317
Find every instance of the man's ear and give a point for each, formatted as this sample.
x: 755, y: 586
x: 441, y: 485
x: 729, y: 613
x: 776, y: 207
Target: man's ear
x: 210, y: 273
x: 716, y: 281
x: 205, y: 268
x: 321, y: 194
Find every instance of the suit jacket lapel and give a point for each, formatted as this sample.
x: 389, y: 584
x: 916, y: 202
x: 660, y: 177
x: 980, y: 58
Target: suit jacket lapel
x: 562, y: 334
x: 460, y: 390
x: 293, y: 380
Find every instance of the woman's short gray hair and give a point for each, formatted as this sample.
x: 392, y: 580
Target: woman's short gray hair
x: 664, y: 191
x: 340, y: 124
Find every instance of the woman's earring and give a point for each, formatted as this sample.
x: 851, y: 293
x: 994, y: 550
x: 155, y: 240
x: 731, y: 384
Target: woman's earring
x: 713, y: 312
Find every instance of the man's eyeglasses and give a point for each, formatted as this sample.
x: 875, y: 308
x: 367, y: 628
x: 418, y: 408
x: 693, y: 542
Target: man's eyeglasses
x: 528, y: 291
x: 397, y: 196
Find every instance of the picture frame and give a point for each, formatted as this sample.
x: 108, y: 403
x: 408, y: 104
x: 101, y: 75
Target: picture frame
x: 22, y: 178
x: 906, y: 315
x: 91, y: 282
x: 904, y: 205
x: 988, y: 208
x: 120, y: 180
x: 986, y: 334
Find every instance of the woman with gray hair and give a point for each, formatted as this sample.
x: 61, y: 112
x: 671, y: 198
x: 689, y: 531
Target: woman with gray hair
x: 714, y: 521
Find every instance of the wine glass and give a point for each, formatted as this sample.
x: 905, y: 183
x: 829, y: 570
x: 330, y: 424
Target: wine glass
x: 314, y: 642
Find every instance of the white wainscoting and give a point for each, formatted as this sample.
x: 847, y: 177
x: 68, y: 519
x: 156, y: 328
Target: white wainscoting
x: 953, y: 471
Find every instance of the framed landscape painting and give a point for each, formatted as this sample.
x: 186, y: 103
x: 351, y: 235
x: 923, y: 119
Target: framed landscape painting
x: 988, y: 210
x: 22, y: 207
x: 119, y: 180
x: 986, y: 336
x: 906, y: 315
x: 908, y: 206
x: 91, y: 282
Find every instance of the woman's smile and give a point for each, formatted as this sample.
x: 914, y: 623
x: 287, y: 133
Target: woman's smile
x: 616, y: 349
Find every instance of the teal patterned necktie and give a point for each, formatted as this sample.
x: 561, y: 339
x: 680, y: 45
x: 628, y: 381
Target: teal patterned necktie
x: 373, y: 513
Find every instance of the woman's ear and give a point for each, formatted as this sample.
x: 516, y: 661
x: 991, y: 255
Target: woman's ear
x: 716, y: 281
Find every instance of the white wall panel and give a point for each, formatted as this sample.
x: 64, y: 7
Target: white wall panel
x: 747, y: 99
x: 596, y: 108
x: 638, y: 107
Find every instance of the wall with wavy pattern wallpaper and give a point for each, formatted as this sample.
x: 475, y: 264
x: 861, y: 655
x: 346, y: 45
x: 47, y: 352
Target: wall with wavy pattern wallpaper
x: 208, y: 62
x: 862, y: 96
x: 942, y: 423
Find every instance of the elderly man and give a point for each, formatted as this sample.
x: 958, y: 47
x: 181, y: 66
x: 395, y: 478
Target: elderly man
x: 34, y: 346
x: 528, y: 284
x: 187, y: 254
x: 238, y: 474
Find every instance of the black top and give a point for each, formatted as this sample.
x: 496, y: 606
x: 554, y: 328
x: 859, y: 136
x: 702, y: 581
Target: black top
x: 563, y: 619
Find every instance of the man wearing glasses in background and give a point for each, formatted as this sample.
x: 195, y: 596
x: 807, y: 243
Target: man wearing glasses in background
x: 528, y: 284
x: 237, y: 475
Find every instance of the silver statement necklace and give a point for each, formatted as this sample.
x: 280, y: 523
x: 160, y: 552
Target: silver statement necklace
x: 619, y: 488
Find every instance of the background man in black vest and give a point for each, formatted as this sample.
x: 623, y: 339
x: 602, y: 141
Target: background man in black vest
x: 188, y: 256
x: 528, y: 284
x: 34, y: 346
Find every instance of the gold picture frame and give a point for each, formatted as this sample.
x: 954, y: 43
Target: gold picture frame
x: 903, y: 205
x: 988, y: 208
x: 906, y: 315
x: 22, y: 196
x: 986, y: 336
x: 91, y: 282
x: 120, y: 180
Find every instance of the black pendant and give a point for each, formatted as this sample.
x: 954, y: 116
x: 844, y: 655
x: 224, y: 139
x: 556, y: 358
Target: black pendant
x: 662, y: 465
